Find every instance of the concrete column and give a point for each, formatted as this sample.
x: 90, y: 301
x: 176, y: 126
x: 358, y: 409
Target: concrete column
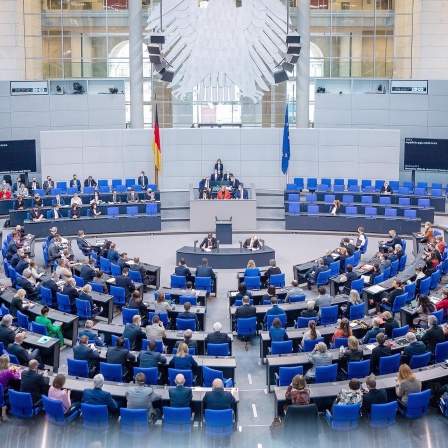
x: 136, y: 63
x: 303, y: 66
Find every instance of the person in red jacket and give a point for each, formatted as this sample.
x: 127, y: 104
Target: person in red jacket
x: 5, y: 194
x: 223, y: 193
x: 443, y: 303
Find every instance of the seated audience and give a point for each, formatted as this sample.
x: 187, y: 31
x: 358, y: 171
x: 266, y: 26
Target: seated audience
x: 182, y: 360
x: 57, y: 392
x: 351, y: 396
x: 372, y: 395
x: 424, y: 309
x: 156, y: 330
x: 54, y: 330
x: 311, y: 333
x: 389, y: 323
x: 33, y: 382
x: 414, y: 348
x: 218, y: 398
x: 406, y: 383
x: 98, y: 396
x: 180, y: 396
x: 277, y: 332
x: 320, y: 356
x: 298, y: 392
x: 344, y: 330
x: 310, y: 311
x: 140, y: 396
x: 150, y: 357
x: 134, y: 333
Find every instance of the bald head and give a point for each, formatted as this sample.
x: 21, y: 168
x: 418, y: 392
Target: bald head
x: 179, y: 380
x: 33, y: 364
x: 217, y: 384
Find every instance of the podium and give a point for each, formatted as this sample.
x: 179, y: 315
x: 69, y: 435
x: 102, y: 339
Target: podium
x: 224, y: 231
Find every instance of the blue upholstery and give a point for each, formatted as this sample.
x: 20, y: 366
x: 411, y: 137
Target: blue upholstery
x: 417, y: 405
x: 95, y: 416
x: 177, y: 420
x: 134, y: 421
x: 286, y: 374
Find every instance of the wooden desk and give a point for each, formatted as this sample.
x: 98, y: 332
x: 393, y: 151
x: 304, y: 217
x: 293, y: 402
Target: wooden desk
x: 106, y: 301
x: 200, y: 312
x: 50, y: 351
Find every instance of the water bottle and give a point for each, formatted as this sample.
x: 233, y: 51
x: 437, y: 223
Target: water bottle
x: 341, y: 351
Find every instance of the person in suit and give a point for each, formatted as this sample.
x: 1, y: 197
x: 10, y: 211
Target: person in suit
x: 228, y: 176
x: 149, y: 196
x: 15, y: 259
x: 223, y: 193
x: 94, y: 211
x: 37, y: 200
x: 433, y: 336
x: 205, y: 188
x: 141, y: 396
x: 55, y: 213
x: 209, y: 242
x: 114, y: 198
x: 182, y: 269
x: 90, y: 182
x: 389, y: 323
x: 48, y: 185
x: 294, y: 290
x: 378, y: 352
x: 386, y: 188
x: 24, y: 356
x: 218, y: 398
x: 75, y: 212
x: 33, y: 185
x: 92, y: 334
x: 98, y: 396
x: 112, y: 253
x: 150, y: 357
x: 188, y: 339
x: 375, y: 273
x: 88, y: 271
x: 7, y: 334
x: 216, y: 177
x: 384, y: 262
x: 35, y: 214
x: 272, y: 270
x: 398, y: 291
x: 24, y: 263
x: 24, y: 282
x: 132, y: 196
x: 182, y: 360
x: 187, y: 314
x: 12, y: 248
x: 136, y: 266
x: 134, y: 333
x: 120, y: 355
x: 17, y: 305
x: 123, y: 281
x: 17, y: 185
x: 19, y: 204
x: 219, y: 167
x: 241, y: 192
x: 395, y: 239
x: 252, y: 243
x: 312, y: 274
x: 58, y: 200
x: 143, y: 180
x: 53, y: 250
x: 33, y: 382
x: 84, y: 295
x: 75, y: 182
x: 274, y: 311
x: 204, y: 270
x: 372, y: 395
x: 246, y: 310
x: 373, y: 332
x: 180, y: 396
x: 136, y: 303
x: 84, y: 352
x: 217, y: 337
x: 72, y: 293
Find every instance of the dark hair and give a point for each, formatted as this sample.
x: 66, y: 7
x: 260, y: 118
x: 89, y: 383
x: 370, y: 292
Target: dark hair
x: 242, y: 288
x: 189, y: 285
x: 277, y: 323
x: 59, y: 381
x: 271, y: 290
x: 120, y: 342
x: 345, y: 327
x: 187, y: 306
x: 44, y: 310
x: 321, y: 290
x: 125, y: 270
x: 426, y: 304
x: 349, y: 268
x: 152, y: 345
x: 99, y: 273
x: 376, y: 266
x: 182, y: 261
x: 354, y: 384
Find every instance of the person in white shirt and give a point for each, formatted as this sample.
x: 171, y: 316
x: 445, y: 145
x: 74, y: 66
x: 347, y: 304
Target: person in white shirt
x: 76, y: 200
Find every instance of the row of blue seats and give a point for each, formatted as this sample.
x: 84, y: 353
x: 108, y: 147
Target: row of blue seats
x: 294, y: 208
x: 348, y: 198
x: 366, y: 185
x: 61, y: 188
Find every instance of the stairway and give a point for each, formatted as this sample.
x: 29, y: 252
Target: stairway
x: 175, y: 210
x: 270, y: 210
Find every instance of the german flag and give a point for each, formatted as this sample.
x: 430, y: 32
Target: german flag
x: 156, y: 148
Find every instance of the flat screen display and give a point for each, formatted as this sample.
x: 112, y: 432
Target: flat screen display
x: 426, y: 154
x: 17, y: 156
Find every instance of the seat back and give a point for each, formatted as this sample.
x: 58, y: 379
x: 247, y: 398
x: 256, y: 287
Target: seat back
x: 323, y: 278
x: 115, y: 269
x: 364, y: 248
x: 329, y: 315
x: 95, y: 416
x: 54, y: 412
x: 246, y: 326
x: 128, y: 315
x: 424, y: 286
x: 293, y: 299
x: 340, y: 342
x: 309, y: 344
x: 105, y: 265
x: 441, y: 352
x: 134, y: 421
x: 209, y: 375
x: 404, y: 201
x: 435, y: 278
x: 97, y: 287
x: 38, y: 328
x: 218, y: 422
x: 78, y: 367
x: 399, y: 302
x: 334, y: 267
x: 357, y: 311
x: 313, y: 209
x: 83, y: 309
x: 366, y: 199
x: 402, y: 331
x: 151, y: 374
x: 345, y: 417
x: 326, y: 374
x: 193, y: 300
x: 402, y: 264
x: 351, y: 210
x: 378, y: 279
x: 294, y: 207
x: 186, y: 324
x: 135, y: 276
x: 439, y: 315
x: 46, y: 296
x: 418, y: 361
x: 418, y: 404
x: 280, y: 348
x: 23, y: 321
x: 389, y: 364
x: 111, y: 372
x: 329, y: 198
x: 277, y: 280
x: 270, y: 318
x: 310, y: 197
x: 177, y: 420
x: 63, y: 302
x: 358, y: 285
x: 178, y: 281
x: 203, y: 283
x: 218, y: 349
x: 252, y: 282
x: 383, y: 415
x: 114, y: 338
x: 302, y: 322
x: 358, y: 369
x: 22, y: 404
x: 348, y: 198
x: 286, y: 374
x: 119, y: 295
x: 394, y: 268
x: 188, y: 374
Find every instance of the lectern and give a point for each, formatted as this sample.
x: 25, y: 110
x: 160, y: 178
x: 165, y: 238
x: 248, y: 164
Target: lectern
x: 224, y: 230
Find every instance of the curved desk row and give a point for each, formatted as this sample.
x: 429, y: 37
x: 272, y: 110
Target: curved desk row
x: 225, y: 258
x: 19, y: 216
x: 96, y: 226
x: 349, y: 223
x: 438, y: 202
x: 424, y: 213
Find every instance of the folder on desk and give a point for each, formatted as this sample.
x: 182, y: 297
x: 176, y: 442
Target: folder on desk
x: 43, y: 340
x: 366, y: 278
x: 376, y: 288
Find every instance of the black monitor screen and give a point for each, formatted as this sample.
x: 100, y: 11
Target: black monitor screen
x: 426, y: 154
x: 17, y: 156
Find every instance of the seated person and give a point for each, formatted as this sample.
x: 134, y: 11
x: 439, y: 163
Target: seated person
x: 182, y: 269
x: 76, y: 200
x: 310, y: 311
x: 251, y: 270
x: 252, y: 243
x: 351, y: 396
x: 5, y: 194
x: 223, y: 193
x: 217, y: 337
x: 209, y: 242
x: 36, y: 215
x: 134, y: 333
x: 395, y: 239
x: 75, y: 212
x: 371, y: 334
x: 294, y: 290
x: 149, y: 196
x: 227, y: 176
x: 58, y: 201
x: 92, y: 334
x: 274, y: 311
x: 398, y: 290
x: 218, y: 398
x: 372, y: 395
x: 114, y: 198
x: 54, y: 330
x: 389, y: 323
x: 270, y: 293
x: 99, y: 278
x: 132, y: 196
x: 19, y: 204
x: 120, y: 355
x: 187, y: 314
x: 94, y: 211
x: 90, y: 182
x: 351, y: 354
x: 136, y: 303
x: 386, y: 188
x: 241, y: 192
x: 380, y: 351
x: 150, y: 357
x: 406, y: 383
x: 182, y: 360
x: 414, y: 348
x: 320, y: 356
x: 205, y: 190
x: 344, y: 330
x: 96, y: 198
x: 216, y: 176
x: 311, y: 274
x: 84, y: 295
x: 75, y: 182
x: 98, y: 396
x: 188, y: 339
x: 277, y: 332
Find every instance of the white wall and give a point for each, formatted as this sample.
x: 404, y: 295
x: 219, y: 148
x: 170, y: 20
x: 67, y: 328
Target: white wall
x: 253, y: 155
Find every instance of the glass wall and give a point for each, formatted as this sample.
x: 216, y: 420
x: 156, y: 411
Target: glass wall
x: 349, y: 39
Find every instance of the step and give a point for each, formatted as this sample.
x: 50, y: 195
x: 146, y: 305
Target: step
x: 270, y: 213
x: 174, y: 198
x: 271, y: 225
x: 181, y: 213
x: 175, y: 225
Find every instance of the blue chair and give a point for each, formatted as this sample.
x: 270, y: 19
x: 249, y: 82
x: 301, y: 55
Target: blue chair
x: 178, y: 281
x: 394, y: 268
x: 313, y: 209
x: 22, y: 320
x: 281, y: 348
x: 193, y: 300
x: 357, y: 311
x: 354, y: 188
x: 390, y: 212
x: 293, y: 299
x: 176, y: 420
x: 252, y: 283
x: 203, y: 283
x: 111, y: 372
x: 417, y: 405
x: 159, y: 344
x: 77, y: 367
x: 46, y: 296
x: 188, y: 374
x: 218, y: 349
x: 311, y: 184
x: 151, y: 374
x: 294, y: 207
x: 114, y: 338
x: 119, y: 295
x: 329, y: 198
x: 12, y: 358
x: 340, y: 342
x: 366, y: 183
x: 322, y: 188
x: 129, y: 183
x: 270, y: 319
x: 423, y: 202
x: 186, y: 324
x: 84, y: 310
x: 115, y: 269
x: 404, y: 190
x: 418, y: 361
x: 389, y: 364
x: 113, y: 211
x: 349, y: 260
x: 436, y: 192
x: 441, y: 352
x: 323, y: 278
x: 386, y: 273
x: 134, y: 421
x: 128, y: 315
x: 54, y: 412
x: 402, y: 264
x: 383, y: 415
x: 399, y: 303
x: 420, y: 191
x: 89, y: 190
x: 135, y: 276
x: 302, y: 322
x: 105, y: 265
x: 79, y: 281
x: 348, y: 198
x: 335, y: 267
x: 218, y: 423
x: 12, y: 276
x: 351, y: 210
x: 163, y: 317
x: 309, y: 344
x: 370, y: 211
x: 209, y: 375
x: 404, y: 201
x: 410, y: 289
x: 38, y: 328
x: 445, y: 265
x: 22, y: 405
x: 293, y: 197
x: 286, y: 374
x: 326, y: 374
x: 62, y: 186
x: 338, y: 188
x: 63, y: 302
x: 358, y: 285
x: 246, y: 327
x: 439, y: 315
x: 364, y: 248
x: 344, y: 417
x: 424, y: 285
x: 398, y: 332
x: 378, y: 279
x: 72, y: 190
x: 435, y: 278
x: 277, y: 280
x: 437, y: 186
x: 95, y: 416
x: 191, y: 351
x: 339, y: 181
x: 311, y: 197
x: 329, y: 315
x: 97, y: 287
x: 298, y: 182
x: 358, y: 369
x: 352, y: 182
